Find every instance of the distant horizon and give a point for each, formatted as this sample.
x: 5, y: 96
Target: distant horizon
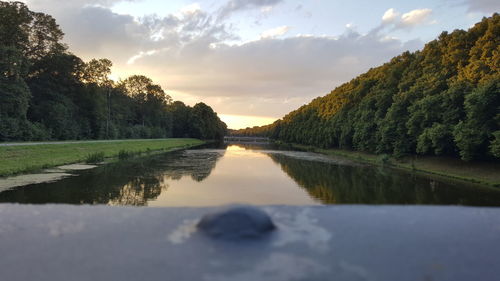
x: 243, y: 122
x: 253, y: 61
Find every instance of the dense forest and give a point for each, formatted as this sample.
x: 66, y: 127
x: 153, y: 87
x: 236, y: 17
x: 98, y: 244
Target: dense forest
x: 48, y: 93
x: 442, y: 100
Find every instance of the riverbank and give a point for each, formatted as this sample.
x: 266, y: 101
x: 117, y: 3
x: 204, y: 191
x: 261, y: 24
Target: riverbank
x: 487, y: 173
x: 29, y: 157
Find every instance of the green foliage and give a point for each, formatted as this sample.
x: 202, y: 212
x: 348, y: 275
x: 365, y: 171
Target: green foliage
x: 482, y: 107
x: 495, y: 145
x: 94, y: 158
x: 48, y: 93
x: 384, y: 159
x: 437, y: 140
x: 97, y: 72
x: 442, y: 100
x: 125, y: 154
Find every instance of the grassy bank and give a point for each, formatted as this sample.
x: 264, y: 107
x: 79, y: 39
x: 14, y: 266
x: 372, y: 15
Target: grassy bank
x: 27, y: 158
x: 487, y: 173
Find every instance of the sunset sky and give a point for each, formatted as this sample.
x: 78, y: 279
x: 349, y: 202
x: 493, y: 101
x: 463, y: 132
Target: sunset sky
x: 253, y: 61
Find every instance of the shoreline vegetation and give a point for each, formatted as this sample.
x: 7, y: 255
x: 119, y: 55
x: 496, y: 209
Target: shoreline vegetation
x: 434, y: 111
x: 442, y: 101
x: 479, y: 172
x: 27, y: 158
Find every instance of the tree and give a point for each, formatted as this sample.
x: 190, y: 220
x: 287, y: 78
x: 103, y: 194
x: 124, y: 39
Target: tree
x: 205, y: 124
x: 474, y: 134
x: 48, y: 93
x: 495, y: 145
x: 14, y: 95
x: 151, y: 101
x: 442, y: 100
x: 97, y: 72
x: 34, y: 34
x: 181, y: 115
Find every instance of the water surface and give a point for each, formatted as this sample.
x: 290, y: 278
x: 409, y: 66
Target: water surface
x: 260, y: 175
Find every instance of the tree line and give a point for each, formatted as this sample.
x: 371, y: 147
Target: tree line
x: 442, y: 100
x: 48, y: 93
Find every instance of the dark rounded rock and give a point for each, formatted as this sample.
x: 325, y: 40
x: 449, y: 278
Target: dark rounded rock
x: 237, y: 223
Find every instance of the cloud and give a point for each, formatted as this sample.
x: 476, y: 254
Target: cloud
x: 96, y: 31
x: 407, y: 20
x: 275, y: 32
x: 266, y: 9
x: 189, y: 55
x: 416, y: 17
x: 191, y: 9
x: 93, y: 31
x: 61, y: 5
x: 390, y: 16
x: 485, y: 6
x: 140, y: 55
x: 240, y: 5
x: 259, y: 77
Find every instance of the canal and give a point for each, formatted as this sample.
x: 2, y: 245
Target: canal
x: 248, y: 174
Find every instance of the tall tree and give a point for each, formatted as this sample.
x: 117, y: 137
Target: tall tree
x: 14, y: 95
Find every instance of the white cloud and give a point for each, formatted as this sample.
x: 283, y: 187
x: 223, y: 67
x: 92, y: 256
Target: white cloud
x: 350, y: 26
x: 142, y: 54
x: 407, y: 20
x: 390, y: 15
x: 416, y: 17
x: 275, y: 32
x: 191, y: 9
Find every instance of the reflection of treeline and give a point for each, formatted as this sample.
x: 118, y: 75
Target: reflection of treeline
x: 132, y: 183
x: 196, y: 164
x: 442, y: 100
x: 116, y: 184
x: 48, y: 93
x: 340, y: 184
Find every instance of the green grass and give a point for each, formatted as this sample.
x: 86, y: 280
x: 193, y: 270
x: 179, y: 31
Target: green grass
x: 23, y: 159
x: 487, y: 173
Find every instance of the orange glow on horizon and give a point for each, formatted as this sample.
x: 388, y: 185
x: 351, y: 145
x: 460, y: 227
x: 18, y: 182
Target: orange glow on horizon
x: 242, y: 121
x: 233, y: 121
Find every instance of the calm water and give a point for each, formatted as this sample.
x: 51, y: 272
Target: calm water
x: 253, y: 175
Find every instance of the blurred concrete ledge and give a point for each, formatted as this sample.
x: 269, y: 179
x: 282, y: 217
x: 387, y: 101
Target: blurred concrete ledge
x: 61, y: 242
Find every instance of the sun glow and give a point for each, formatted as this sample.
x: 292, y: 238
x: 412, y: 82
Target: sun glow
x: 243, y: 121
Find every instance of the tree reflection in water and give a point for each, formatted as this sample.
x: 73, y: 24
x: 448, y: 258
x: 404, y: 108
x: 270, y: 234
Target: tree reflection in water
x: 344, y: 184
x: 138, y: 182
x: 131, y: 183
x: 195, y: 163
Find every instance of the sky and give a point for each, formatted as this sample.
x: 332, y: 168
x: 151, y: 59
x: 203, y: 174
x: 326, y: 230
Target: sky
x: 253, y: 61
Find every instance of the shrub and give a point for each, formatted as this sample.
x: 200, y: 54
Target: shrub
x: 384, y: 159
x: 94, y: 158
x: 124, y: 154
